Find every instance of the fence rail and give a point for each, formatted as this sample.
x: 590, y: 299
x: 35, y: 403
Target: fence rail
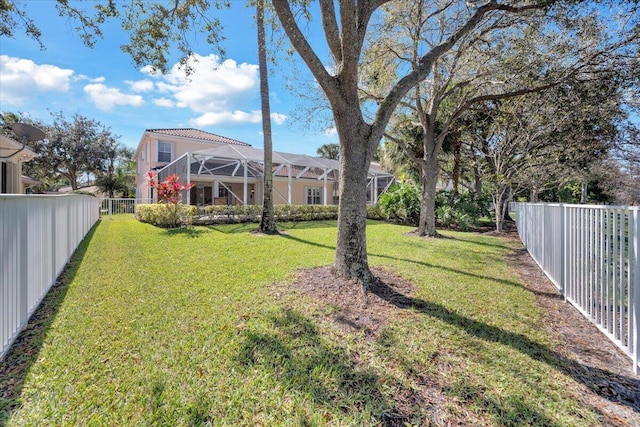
x: 110, y: 207
x: 38, y: 235
x: 592, y: 255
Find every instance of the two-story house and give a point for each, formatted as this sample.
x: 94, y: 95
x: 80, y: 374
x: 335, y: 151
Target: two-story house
x: 225, y: 171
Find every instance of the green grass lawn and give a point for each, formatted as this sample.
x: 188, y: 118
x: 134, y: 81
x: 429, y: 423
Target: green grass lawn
x: 183, y: 327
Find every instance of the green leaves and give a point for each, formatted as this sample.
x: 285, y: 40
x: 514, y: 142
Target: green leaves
x: 156, y: 28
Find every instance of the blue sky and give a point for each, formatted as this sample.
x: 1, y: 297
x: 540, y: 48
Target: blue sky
x: 221, y: 97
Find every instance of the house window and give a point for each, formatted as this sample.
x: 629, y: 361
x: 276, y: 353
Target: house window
x: 313, y: 196
x: 164, y: 152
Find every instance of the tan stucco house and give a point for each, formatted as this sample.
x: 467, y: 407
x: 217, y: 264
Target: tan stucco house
x: 12, y: 155
x: 226, y: 171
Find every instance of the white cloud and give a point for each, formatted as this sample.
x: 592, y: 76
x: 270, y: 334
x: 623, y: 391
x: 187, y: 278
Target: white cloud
x: 235, y: 117
x: 82, y: 77
x: 278, y: 118
x: 218, y: 92
x: 148, y: 70
x: 140, y: 85
x: 227, y: 117
x: 105, y: 98
x: 332, y: 131
x: 22, y: 77
x: 164, y: 102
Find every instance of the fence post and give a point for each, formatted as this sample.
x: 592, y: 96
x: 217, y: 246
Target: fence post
x: 563, y: 250
x: 634, y: 271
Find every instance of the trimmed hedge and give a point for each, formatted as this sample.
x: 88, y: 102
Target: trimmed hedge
x: 375, y: 212
x: 163, y: 215
x: 252, y: 213
x: 159, y: 215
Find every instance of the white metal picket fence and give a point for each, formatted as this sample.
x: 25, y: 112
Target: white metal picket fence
x: 110, y: 207
x: 38, y: 235
x: 592, y: 254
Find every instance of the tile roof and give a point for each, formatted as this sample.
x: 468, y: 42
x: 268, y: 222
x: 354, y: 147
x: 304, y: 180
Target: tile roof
x: 197, y: 134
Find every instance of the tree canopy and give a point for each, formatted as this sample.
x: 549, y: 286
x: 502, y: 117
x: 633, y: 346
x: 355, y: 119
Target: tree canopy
x: 71, y: 148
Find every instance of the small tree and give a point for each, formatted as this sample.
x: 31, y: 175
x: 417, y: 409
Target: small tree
x: 329, y: 151
x: 118, y: 172
x: 170, y: 194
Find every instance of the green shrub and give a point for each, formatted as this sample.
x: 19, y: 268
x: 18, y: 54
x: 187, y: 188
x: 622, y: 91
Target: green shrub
x: 401, y: 203
x: 444, y: 215
x: 374, y: 212
x: 166, y: 215
x: 311, y: 212
x: 252, y: 213
x: 462, y: 210
x: 229, y: 214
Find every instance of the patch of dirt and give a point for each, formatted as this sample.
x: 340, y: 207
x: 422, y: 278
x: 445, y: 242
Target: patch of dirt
x: 350, y: 309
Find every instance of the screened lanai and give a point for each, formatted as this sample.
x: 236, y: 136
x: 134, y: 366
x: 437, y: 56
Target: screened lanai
x: 232, y: 175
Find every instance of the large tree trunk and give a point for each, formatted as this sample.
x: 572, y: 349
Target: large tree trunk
x: 533, y: 195
x: 501, y: 204
x: 455, y: 172
x: 428, y: 184
x: 355, y: 158
x: 477, y: 179
x: 584, y: 191
x: 267, y: 220
x: 73, y: 178
x: 506, y: 199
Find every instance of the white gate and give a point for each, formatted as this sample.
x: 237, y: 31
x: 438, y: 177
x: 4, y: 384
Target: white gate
x: 110, y: 207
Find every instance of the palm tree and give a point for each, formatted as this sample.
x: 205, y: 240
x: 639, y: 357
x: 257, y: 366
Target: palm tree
x: 267, y: 221
x: 329, y: 151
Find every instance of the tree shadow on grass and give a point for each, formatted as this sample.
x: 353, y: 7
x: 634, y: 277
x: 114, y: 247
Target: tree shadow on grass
x: 477, y: 243
x: 595, y: 379
x: 243, y: 227
x: 292, y: 352
x: 21, y: 356
x: 469, y: 274
x: 190, y: 232
x: 421, y: 263
x: 246, y: 227
x: 305, y: 225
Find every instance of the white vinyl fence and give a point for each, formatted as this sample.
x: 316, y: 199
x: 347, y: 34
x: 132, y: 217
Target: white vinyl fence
x: 110, y: 207
x: 38, y: 234
x: 592, y: 254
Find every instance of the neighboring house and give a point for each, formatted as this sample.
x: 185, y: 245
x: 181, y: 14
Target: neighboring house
x: 12, y: 155
x: 225, y: 171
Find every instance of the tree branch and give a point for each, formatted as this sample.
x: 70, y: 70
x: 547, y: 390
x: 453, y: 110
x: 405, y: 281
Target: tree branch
x: 405, y: 148
x: 424, y: 67
x: 302, y: 46
x: 330, y: 27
